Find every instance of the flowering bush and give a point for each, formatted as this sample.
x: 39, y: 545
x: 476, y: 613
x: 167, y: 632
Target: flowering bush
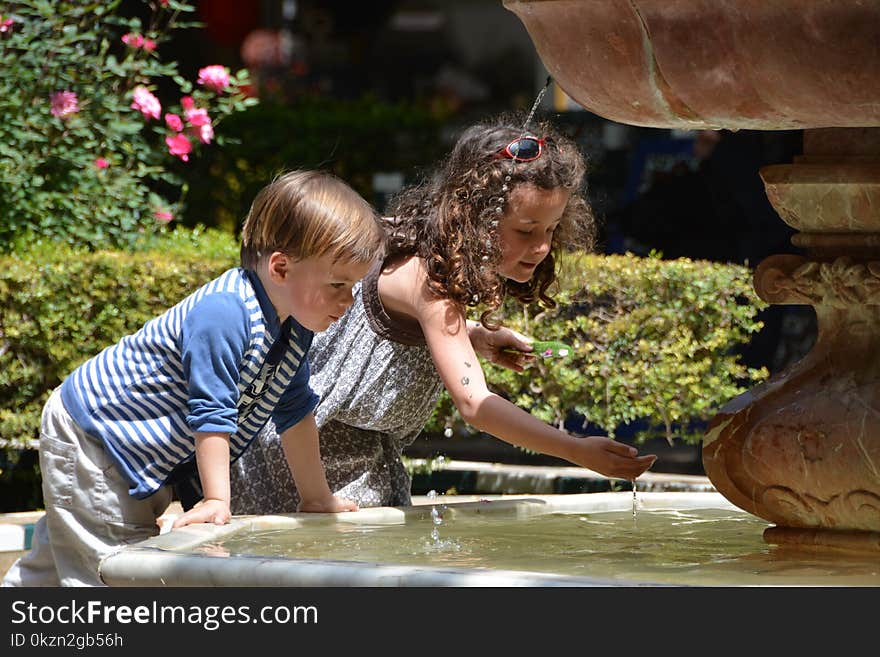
x: 90, y: 150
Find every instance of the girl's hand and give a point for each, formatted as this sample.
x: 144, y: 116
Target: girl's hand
x: 332, y: 504
x: 216, y: 511
x: 610, y: 458
x: 491, y: 345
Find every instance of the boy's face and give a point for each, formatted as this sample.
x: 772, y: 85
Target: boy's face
x: 316, y: 291
x: 526, y: 229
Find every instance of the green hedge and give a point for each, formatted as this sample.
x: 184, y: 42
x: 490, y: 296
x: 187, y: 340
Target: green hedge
x: 62, y: 306
x: 653, y: 341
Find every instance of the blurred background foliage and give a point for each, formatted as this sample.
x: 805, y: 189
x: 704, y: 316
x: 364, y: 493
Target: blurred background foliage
x: 356, y: 139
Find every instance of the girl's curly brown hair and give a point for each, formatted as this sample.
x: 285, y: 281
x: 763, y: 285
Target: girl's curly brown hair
x: 450, y: 219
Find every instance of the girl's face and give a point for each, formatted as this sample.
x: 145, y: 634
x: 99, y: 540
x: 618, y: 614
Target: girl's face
x: 526, y: 229
x: 316, y: 291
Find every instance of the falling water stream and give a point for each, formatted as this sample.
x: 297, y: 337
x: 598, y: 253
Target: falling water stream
x: 635, y: 500
x: 438, y: 544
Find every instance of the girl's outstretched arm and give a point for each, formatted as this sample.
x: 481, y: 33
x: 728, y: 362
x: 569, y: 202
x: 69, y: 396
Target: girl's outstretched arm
x: 445, y: 330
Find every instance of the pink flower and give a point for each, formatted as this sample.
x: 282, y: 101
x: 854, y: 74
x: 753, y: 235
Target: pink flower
x: 197, y: 117
x: 6, y: 26
x: 146, y: 103
x: 163, y: 216
x: 164, y: 3
x: 200, y: 121
x: 187, y: 102
x: 101, y: 163
x: 64, y: 103
x: 138, y: 41
x: 179, y: 145
x: 174, y: 122
x: 205, y: 133
x: 214, y: 77
x: 133, y: 40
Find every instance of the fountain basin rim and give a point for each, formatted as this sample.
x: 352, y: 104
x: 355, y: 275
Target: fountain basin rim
x: 164, y: 561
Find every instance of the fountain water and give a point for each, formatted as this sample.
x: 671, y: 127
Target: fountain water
x: 437, y: 543
x: 555, y: 540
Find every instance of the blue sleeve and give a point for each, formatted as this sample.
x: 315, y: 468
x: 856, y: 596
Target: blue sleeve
x: 297, y: 401
x: 214, y: 336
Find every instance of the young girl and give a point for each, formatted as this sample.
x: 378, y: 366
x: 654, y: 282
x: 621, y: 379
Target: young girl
x: 487, y: 224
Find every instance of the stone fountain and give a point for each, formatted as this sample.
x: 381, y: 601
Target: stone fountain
x: 803, y: 449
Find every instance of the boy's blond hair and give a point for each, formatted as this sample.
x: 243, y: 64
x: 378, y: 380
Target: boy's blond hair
x: 306, y: 214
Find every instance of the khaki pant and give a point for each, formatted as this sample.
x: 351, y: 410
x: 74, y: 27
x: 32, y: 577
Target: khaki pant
x: 89, y: 513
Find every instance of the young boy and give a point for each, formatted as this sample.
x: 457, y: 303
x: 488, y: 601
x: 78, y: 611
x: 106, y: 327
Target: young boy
x: 193, y: 387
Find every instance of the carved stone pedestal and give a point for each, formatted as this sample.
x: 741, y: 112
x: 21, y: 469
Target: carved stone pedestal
x: 803, y: 449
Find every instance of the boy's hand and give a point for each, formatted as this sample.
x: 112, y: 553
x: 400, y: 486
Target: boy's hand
x: 216, y: 511
x: 332, y: 504
x: 504, y: 347
x: 610, y: 458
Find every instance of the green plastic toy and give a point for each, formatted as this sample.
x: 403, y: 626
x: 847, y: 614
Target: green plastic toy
x: 547, y: 349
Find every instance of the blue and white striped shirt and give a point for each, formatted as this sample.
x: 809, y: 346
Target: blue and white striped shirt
x: 206, y: 364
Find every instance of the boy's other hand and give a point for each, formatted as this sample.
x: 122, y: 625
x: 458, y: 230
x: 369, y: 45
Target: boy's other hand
x: 332, y: 504
x: 210, y: 511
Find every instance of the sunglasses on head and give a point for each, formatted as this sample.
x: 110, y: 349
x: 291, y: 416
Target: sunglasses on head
x: 524, y: 149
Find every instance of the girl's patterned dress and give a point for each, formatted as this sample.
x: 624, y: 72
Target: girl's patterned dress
x: 378, y: 388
